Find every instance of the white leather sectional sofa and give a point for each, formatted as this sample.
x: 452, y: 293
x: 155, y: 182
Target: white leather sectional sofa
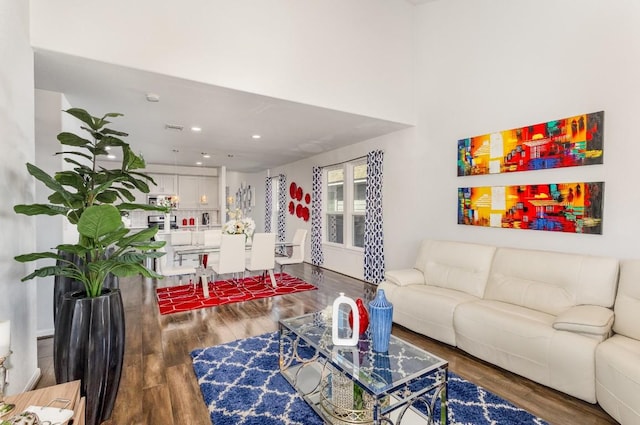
x: 618, y: 358
x: 541, y: 314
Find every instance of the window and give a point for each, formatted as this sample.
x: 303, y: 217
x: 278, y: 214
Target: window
x: 335, y: 205
x: 346, y: 204
x: 275, y: 203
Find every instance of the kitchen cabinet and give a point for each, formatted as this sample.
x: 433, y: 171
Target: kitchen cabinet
x: 198, y: 192
x: 165, y: 184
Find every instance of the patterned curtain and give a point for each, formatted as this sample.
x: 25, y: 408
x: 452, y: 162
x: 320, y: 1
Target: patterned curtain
x: 317, y: 257
x: 267, y: 205
x: 282, y: 206
x: 373, y: 240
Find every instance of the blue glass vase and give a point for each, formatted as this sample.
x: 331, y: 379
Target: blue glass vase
x: 380, y: 320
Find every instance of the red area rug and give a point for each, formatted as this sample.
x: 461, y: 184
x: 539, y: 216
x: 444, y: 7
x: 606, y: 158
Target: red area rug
x: 176, y: 299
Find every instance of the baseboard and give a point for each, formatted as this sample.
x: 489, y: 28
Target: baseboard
x: 44, y: 333
x: 37, y: 374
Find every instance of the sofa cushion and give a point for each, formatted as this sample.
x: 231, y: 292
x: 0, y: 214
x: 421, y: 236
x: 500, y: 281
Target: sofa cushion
x: 455, y: 265
x: 551, y: 282
x: 627, y: 305
x: 590, y: 320
x: 405, y: 277
x: 618, y: 378
x: 523, y: 341
x: 411, y: 302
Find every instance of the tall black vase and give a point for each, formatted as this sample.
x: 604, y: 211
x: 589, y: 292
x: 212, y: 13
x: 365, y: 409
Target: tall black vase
x: 89, y: 345
x: 63, y: 284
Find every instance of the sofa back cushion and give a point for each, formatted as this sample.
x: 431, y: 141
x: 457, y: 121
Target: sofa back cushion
x: 551, y: 282
x: 455, y: 265
x: 627, y: 307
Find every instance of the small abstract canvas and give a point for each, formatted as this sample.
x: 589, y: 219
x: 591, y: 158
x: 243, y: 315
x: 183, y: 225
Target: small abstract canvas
x: 557, y: 207
x: 566, y: 142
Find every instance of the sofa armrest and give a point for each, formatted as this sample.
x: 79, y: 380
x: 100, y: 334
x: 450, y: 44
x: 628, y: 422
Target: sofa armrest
x: 589, y: 320
x: 405, y: 277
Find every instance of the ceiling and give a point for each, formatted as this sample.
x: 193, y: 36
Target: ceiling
x: 289, y: 131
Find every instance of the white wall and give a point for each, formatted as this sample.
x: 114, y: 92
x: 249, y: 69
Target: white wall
x: 507, y: 64
x: 17, y: 186
x: 491, y: 65
x: 48, y: 123
x: 354, y: 56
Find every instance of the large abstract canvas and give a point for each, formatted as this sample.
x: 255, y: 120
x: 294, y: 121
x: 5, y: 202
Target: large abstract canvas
x: 566, y: 142
x: 558, y: 207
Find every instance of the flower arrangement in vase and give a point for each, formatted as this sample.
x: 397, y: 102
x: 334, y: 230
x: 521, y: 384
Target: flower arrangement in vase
x: 239, y: 225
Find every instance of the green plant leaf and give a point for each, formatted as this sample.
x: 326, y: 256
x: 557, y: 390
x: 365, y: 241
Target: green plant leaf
x: 54, y: 271
x: 98, y: 221
x: 114, y: 236
x: 71, y: 178
x: 143, y: 235
x: 37, y: 209
x: 123, y: 270
x: 107, y: 196
x: 76, y: 153
x: 48, y: 181
x: 113, y: 141
x: 114, y: 132
x: 71, y: 139
x: 124, y: 193
x: 24, y: 258
x: 83, y: 116
x: 146, y: 207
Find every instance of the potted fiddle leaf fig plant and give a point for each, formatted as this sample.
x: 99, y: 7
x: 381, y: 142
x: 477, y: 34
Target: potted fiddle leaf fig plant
x: 89, y: 329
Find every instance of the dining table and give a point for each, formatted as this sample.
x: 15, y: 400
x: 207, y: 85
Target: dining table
x: 203, y: 251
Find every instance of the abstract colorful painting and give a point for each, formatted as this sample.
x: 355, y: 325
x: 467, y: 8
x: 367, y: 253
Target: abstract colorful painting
x: 557, y: 207
x: 566, y: 142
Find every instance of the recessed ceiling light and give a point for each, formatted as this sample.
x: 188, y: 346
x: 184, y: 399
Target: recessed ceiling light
x: 196, y: 129
x: 152, y: 97
x: 206, y: 155
x: 111, y: 156
x: 256, y: 136
x: 199, y: 163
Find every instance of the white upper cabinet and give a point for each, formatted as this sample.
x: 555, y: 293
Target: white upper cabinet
x: 166, y: 184
x: 198, y: 192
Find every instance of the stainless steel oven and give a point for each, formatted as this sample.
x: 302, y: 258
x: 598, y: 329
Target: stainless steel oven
x: 158, y: 221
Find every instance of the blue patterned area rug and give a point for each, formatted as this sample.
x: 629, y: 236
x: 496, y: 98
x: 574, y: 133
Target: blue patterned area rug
x: 241, y: 385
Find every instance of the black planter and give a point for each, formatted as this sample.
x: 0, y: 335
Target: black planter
x: 89, y: 345
x: 63, y: 285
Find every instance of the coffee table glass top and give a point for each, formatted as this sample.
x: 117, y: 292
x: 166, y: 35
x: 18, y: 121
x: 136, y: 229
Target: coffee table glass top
x: 379, y: 372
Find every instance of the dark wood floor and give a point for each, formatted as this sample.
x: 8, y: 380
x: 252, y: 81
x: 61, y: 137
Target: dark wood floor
x: 158, y: 385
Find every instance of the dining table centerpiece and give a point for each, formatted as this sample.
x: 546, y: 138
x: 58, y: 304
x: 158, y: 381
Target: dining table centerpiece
x: 239, y: 225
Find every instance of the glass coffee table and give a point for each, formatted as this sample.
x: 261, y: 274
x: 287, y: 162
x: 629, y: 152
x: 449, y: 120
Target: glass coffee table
x: 356, y: 385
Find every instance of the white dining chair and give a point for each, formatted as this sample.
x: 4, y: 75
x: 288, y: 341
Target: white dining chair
x: 212, y: 237
x: 297, y: 251
x: 180, y: 237
x: 167, y: 269
x: 263, y: 255
x: 231, y: 259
